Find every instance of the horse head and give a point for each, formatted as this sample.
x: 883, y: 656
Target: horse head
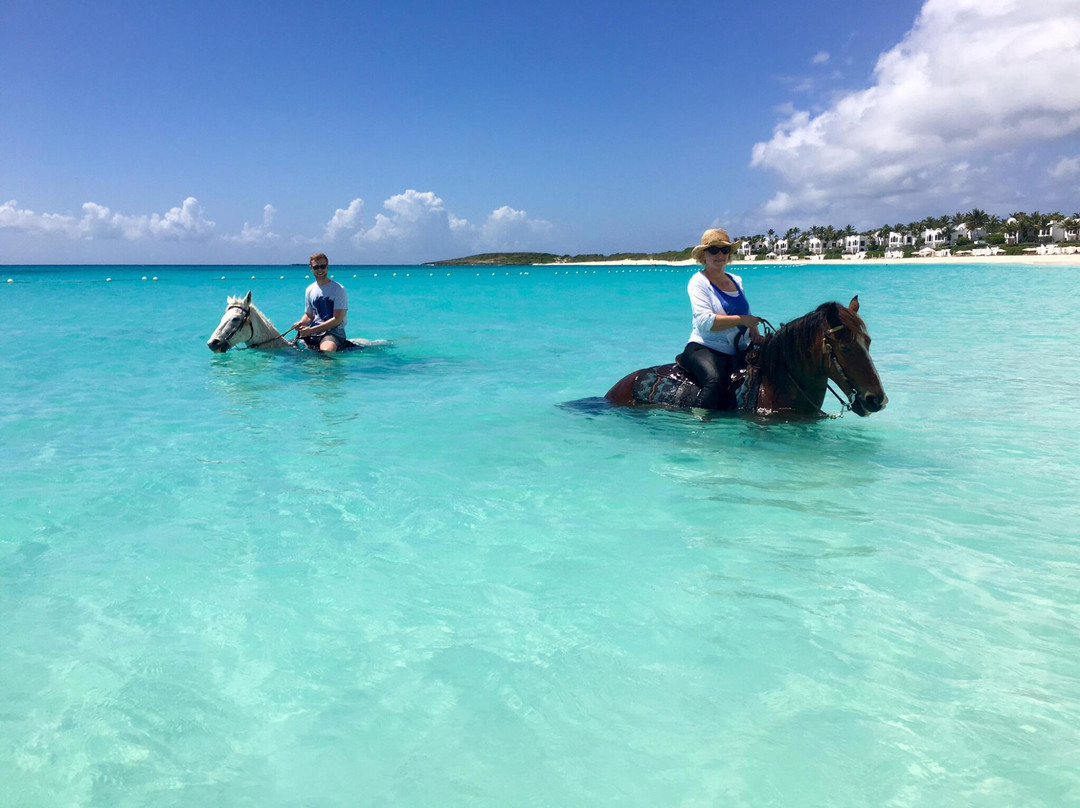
x: 228, y: 333
x: 846, y: 348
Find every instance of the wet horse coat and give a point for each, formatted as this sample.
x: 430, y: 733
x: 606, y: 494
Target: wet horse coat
x: 243, y: 323
x: 789, y: 373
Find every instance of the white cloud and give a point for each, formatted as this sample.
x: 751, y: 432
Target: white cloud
x: 414, y: 226
x: 418, y: 226
x: 184, y: 223
x: 970, y: 81
x: 257, y: 234
x: 414, y: 216
x: 820, y: 58
x: 510, y: 230
x: 346, y: 219
x: 1068, y: 168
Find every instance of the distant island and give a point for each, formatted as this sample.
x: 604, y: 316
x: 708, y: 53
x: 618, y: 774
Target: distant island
x: 526, y: 258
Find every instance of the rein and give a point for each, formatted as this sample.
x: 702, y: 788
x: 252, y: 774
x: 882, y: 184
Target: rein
x: 265, y: 341
x: 846, y: 402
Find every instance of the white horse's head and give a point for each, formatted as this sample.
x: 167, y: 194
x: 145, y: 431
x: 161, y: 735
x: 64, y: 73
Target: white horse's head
x: 235, y: 325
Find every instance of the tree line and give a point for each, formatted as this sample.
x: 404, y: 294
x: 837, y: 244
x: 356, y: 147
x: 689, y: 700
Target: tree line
x: 1025, y: 226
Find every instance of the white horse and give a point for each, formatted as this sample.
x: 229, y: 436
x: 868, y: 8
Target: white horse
x: 244, y: 323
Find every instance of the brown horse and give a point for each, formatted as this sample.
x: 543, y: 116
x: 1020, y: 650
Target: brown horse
x: 788, y: 375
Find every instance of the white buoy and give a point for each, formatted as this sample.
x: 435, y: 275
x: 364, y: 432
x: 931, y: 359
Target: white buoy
x: 223, y: 277
x: 253, y: 277
x: 107, y: 280
x: 11, y: 280
x: 144, y: 277
x: 155, y: 277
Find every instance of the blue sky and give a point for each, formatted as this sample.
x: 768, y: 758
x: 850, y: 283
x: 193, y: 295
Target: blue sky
x: 402, y: 132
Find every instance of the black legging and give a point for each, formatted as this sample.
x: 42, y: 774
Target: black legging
x: 711, y: 370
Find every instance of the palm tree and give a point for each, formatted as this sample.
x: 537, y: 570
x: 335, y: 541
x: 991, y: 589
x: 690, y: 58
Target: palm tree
x: 1043, y: 221
x: 830, y: 235
x: 976, y: 218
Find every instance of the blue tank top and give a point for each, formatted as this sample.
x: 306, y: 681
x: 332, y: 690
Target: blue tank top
x: 732, y: 303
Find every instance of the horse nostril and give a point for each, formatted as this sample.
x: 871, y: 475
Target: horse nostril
x: 874, y: 403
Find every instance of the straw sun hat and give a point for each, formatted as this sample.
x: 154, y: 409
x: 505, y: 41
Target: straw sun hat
x: 716, y: 237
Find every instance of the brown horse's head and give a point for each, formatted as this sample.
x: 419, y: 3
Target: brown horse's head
x: 847, y: 356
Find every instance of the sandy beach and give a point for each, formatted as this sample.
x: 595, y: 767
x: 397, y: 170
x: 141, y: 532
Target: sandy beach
x: 1028, y: 260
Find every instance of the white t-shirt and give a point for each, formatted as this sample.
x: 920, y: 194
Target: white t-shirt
x: 320, y: 302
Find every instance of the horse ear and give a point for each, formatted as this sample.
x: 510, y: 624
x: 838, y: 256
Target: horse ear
x: 854, y: 305
x: 247, y: 300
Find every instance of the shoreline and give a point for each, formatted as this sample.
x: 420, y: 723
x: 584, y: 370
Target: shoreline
x: 1004, y: 260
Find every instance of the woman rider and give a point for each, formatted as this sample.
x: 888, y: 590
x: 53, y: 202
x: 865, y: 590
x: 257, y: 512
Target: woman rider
x: 723, y: 324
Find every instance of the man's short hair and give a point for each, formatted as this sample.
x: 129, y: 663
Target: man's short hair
x: 317, y: 257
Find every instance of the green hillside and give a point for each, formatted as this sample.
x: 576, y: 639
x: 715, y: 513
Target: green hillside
x: 524, y: 258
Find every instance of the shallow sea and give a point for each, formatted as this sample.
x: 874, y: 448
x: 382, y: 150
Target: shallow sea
x: 412, y: 578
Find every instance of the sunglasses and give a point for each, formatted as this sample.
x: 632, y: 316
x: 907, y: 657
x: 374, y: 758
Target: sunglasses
x: 714, y: 250
x: 319, y: 266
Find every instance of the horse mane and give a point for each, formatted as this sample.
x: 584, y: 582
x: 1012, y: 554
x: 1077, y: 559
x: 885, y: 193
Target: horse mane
x: 796, y: 340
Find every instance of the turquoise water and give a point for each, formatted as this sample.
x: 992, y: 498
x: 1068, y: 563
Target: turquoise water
x: 411, y: 578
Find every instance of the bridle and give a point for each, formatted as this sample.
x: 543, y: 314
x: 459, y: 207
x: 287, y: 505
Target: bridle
x: 849, y: 395
x: 246, y: 320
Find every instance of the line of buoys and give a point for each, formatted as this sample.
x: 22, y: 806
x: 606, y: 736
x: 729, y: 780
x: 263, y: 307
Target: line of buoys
x: 493, y: 274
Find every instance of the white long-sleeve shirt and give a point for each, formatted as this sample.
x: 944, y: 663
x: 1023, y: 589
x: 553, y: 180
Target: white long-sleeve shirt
x: 706, y: 301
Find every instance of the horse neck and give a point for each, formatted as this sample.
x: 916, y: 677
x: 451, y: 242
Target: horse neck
x: 793, y: 372
x: 263, y: 332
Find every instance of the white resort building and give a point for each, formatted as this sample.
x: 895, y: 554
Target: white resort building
x: 854, y: 244
x: 935, y: 238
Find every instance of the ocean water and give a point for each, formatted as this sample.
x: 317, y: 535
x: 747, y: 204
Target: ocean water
x: 413, y: 578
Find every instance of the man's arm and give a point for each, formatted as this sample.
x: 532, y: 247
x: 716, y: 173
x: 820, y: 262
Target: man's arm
x: 339, y: 315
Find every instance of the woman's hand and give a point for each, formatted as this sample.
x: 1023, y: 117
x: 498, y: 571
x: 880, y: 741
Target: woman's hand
x: 751, y: 322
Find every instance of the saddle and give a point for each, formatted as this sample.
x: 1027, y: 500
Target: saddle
x: 745, y: 364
